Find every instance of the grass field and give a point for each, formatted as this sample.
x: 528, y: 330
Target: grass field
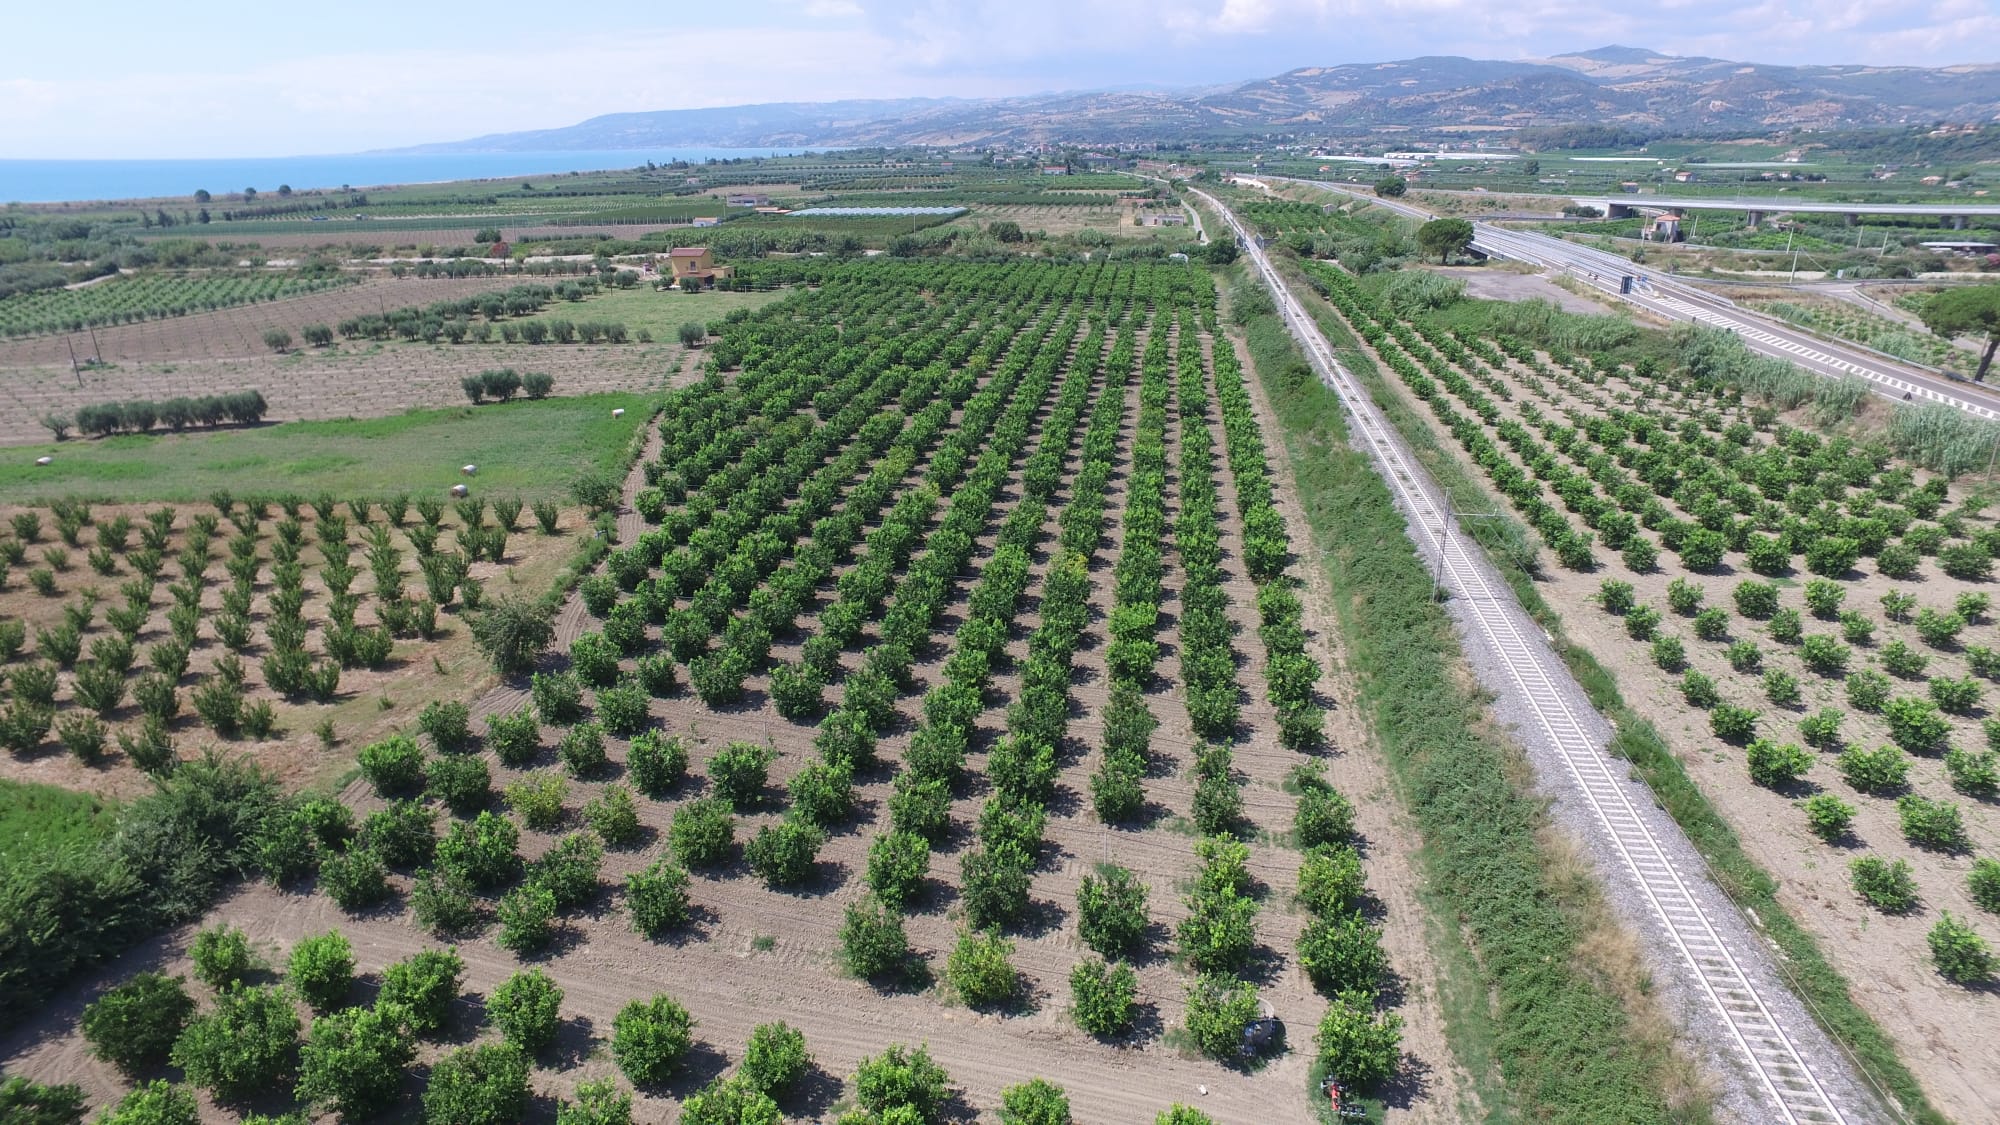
x: 662, y: 313
x: 37, y: 818
x: 532, y: 449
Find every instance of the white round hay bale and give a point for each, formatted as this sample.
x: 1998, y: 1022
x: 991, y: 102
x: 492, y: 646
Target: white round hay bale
x: 618, y: 412
x: 469, y: 470
x: 45, y: 460
x: 460, y: 490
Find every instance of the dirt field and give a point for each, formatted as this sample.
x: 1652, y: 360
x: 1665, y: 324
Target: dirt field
x: 223, y: 351
x: 340, y: 236
x: 1946, y: 1033
x: 758, y: 955
x: 1505, y: 285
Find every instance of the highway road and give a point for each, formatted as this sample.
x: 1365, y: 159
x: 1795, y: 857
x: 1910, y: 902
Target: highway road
x: 1765, y: 1045
x: 1672, y: 299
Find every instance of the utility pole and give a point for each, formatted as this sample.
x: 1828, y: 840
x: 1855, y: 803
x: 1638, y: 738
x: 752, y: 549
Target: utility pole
x: 73, y: 369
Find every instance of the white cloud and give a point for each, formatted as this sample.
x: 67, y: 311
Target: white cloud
x: 342, y: 99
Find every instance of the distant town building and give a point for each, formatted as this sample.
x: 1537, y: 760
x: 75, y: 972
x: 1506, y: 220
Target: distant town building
x: 1684, y: 177
x: 1629, y: 187
x: 1163, y: 219
x: 747, y: 199
x: 696, y: 262
x: 706, y: 221
x: 1055, y: 170
x: 1967, y: 249
x: 1663, y: 228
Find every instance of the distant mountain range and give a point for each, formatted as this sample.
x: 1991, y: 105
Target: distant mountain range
x: 1608, y: 86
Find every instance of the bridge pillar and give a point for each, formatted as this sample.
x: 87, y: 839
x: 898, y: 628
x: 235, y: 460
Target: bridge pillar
x: 1853, y: 220
x: 1617, y: 211
x: 1958, y: 222
x: 1754, y: 218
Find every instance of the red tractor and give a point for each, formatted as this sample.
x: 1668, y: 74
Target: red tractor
x: 1345, y: 1106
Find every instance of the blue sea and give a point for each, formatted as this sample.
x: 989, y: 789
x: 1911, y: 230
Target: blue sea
x: 52, y: 181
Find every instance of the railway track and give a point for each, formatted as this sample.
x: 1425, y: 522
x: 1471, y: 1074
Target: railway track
x: 1781, y: 1077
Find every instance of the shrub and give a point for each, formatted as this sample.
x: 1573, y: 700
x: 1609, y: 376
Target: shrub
x: 1732, y: 723
x: 650, y: 1038
x: 1983, y: 882
x: 658, y: 898
x: 1641, y: 621
x: 739, y: 770
x: 1973, y: 773
x: 657, y: 762
x: 1755, y: 600
x: 872, y: 943
x: 425, y: 984
x: 981, y: 969
x: 614, y: 816
x: 1823, y: 655
x: 1786, y: 626
x: 449, y: 725
x: 1915, y: 725
x: 222, y: 956
x: 526, y: 1008
x: 703, y: 831
x: 158, y: 1102
x: 1616, y: 597
x: 1330, y: 879
x: 897, y: 864
x: 462, y: 782
x: 527, y: 918
x: 569, y: 870
x: 515, y: 738
x: 1856, y: 628
x: 775, y: 1060
x: 1103, y: 996
x: 558, y: 697
x: 1218, y: 1009
x: 1669, y: 653
x: 822, y: 795
x: 394, y: 766
x: 321, y: 971
x: 594, y: 660
x: 402, y: 834
x: 1882, y: 770
x: 1822, y: 731
x: 582, y: 750
x: 1745, y: 656
x: 1823, y: 598
x: 902, y: 1079
x: 1959, y: 953
x: 798, y: 690
x: 1828, y: 816
x: 133, y: 1026
x: 511, y: 632
x: 1781, y: 687
x: 353, y: 1061
x: 1342, y: 954
x: 1111, y: 912
x: 994, y: 883
x: 1939, y: 630
x: 1887, y: 887
x: 248, y: 1045
x: 1867, y: 691
x: 1034, y: 1103
x: 1699, y: 690
x: 538, y: 797
x: 729, y: 1102
x: 1684, y: 596
x: 1359, y: 1046
x: 783, y: 854
x: 1938, y: 825
x: 1774, y: 765
x: 623, y: 708
x: 483, y: 1085
x: 1955, y: 697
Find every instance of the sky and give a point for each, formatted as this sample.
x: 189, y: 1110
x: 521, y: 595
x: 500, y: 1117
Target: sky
x: 139, y: 78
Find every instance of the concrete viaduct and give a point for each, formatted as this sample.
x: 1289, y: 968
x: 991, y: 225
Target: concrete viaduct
x: 1953, y: 215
